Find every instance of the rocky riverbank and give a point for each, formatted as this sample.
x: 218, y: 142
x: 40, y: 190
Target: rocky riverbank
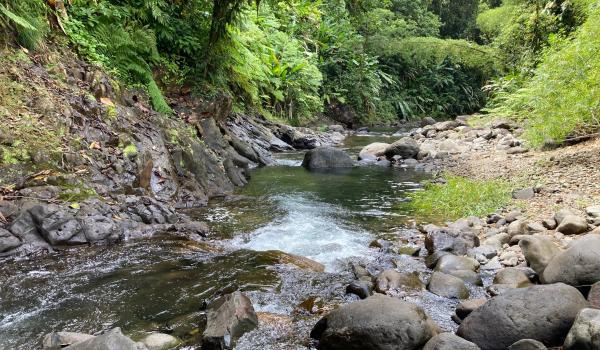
x: 120, y: 170
x: 537, y: 269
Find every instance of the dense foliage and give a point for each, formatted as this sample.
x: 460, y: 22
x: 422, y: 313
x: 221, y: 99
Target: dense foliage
x: 562, y: 98
x: 357, y: 61
x: 25, y: 18
x: 297, y: 59
x: 551, y: 49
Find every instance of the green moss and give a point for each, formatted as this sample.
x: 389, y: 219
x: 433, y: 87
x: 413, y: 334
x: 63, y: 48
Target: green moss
x: 130, y: 150
x: 27, y: 125
x: 173, y: 136
x: 14, y: 56
x: 459, y: 197
x: 11, y: 93
x: 14, y: 154
x: 111, y: 112
x: 76, y: 193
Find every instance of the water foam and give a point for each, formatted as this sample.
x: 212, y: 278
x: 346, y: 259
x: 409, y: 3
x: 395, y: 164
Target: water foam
x: 312, y: 229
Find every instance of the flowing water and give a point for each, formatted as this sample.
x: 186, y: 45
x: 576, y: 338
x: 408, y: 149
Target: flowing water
x: 162, y: 283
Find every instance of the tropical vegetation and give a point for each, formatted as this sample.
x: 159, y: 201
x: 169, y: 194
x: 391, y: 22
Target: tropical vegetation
x: 377, y: 61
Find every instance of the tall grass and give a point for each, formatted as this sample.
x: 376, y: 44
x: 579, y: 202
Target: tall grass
x: 459, y: 197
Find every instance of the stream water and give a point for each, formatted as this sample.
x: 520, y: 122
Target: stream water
x: 161, y: 283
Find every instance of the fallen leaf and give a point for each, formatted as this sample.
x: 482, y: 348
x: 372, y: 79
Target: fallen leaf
x: 107, y: 101
x: 95, y: 145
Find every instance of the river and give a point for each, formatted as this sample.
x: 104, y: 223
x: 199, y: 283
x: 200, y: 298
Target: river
x: 161, y: 283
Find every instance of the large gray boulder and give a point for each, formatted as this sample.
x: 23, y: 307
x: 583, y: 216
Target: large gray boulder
x: 578, y: 265
x: 111, y: 340
x: 560, y: 215
x: 572, y: 225
x: 447, y: 286
x: 544, y: 313
x: 450, y: 263
x: 449, y: 341
x: 160, y: 341
x: 517, y: 228
x: 24, y: 228
x: 57, y: 225
x: 585, y: 333
x: 376, y: 323
x: 327, y: 158
x: 98, y: 228
x: 448, y: 240
x: 392, y: 279
x: 538, y: 251
x: 406, y: 148
x: 373, y: 151
x: 8, y: 241
x: 228, y: 318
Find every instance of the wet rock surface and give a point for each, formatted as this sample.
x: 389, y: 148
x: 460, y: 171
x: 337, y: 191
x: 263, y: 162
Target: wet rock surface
x: 228, y: 318
x: 127, y: 179
x: 377, y: 323
x: 59, y: 340
x: 138, y: 193
x: 111, y: 340
x: 327, y: 158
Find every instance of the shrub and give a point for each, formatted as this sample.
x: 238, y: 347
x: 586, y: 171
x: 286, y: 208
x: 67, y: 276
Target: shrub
x: 108, y: 34
x: 437, y: 77
x: 562, y: 99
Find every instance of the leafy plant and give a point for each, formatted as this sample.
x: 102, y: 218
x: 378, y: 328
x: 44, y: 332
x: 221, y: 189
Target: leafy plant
x: 98, y: 32
x: 26, y: 18
x: 562, y: 99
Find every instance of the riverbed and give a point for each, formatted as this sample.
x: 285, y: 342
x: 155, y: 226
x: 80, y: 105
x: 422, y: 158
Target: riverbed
x: 162, y: 283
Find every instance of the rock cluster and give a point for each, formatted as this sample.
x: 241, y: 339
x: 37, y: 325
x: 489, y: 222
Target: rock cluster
x: 535, y: 300
x: 433, y: 144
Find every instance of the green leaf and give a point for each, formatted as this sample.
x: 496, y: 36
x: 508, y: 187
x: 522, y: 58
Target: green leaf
x: 16, y: 18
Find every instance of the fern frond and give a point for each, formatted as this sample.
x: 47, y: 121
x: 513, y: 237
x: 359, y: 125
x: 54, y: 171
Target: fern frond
x: 158, y: 101
x: 20, y: 21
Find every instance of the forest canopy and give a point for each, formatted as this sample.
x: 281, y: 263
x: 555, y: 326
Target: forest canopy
x: 356, y: 61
